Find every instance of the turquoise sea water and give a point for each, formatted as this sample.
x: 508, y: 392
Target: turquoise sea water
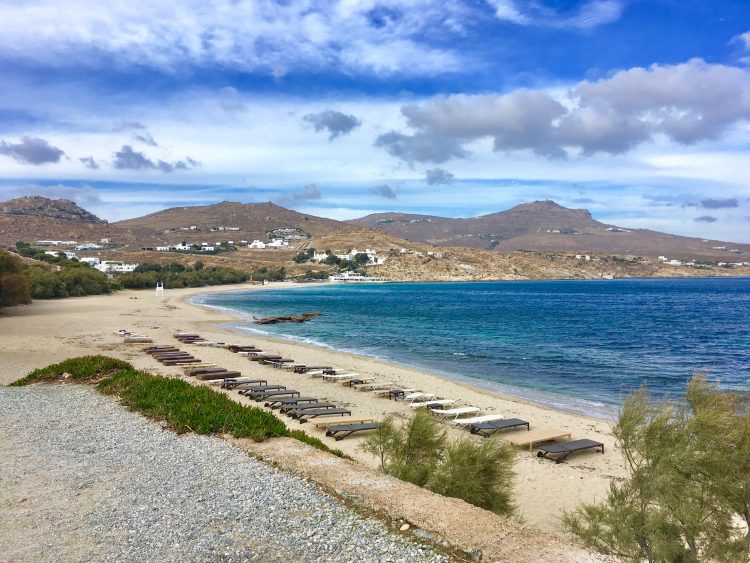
x: 580, y: 345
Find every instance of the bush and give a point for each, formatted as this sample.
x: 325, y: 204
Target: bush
x: 420, y: 453
x: 481, y: 473
x: 689, y: 479
x: 14, y: 287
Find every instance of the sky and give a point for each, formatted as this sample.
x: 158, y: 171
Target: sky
x: 638, y: 110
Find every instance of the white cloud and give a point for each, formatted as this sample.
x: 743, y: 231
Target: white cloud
x: 588, y: 15
x: 260, y: 36
x: 686, y: 103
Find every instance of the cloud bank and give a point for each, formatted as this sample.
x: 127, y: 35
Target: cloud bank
x: 383, y: 191
x: 613, y: 115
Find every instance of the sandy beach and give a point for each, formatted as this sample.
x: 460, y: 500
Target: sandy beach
x: 48, y: 331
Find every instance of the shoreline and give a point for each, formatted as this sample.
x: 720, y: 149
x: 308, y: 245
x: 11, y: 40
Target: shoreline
x: 49, y: 331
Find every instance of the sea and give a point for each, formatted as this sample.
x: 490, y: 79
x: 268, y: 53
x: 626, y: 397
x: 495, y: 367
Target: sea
x: 581, y: 346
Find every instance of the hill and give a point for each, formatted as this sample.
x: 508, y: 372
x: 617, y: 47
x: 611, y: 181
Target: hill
x: 232, y: 220
x: 547, y: 226
x: 36, y: 218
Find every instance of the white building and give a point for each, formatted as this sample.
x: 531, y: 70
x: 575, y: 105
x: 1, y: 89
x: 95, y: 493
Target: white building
x: 584, y: 257
x: 163, y: 248
x: 205, y: 248
x: 257, y: 244
x: 116, y: 267
x: 69, y: 255
x: 182, y: 246
x: 92, y: 261
x: 372, y: 256
x: 277, y: 243
x: 319, y: 256
x: 56, y: 243
x: 89, y: 246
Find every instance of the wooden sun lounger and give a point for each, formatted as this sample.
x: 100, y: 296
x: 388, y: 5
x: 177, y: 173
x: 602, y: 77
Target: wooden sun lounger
x: 305, y: 369
x: 374, y: 386
x: 338, y: 420
x: 257, y: 397
x: 296, y: 407
x: 278, y: 402
x: 138, y: 340
x: 341, y: 431
x: 537, y: 436
x: 486, y: 429
x: 566, y: 448
x: 179, y: 362
x: 218, y: 375
x: 304, y: 416
x: 206, y: 369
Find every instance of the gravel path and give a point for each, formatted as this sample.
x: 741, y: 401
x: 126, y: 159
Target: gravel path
x: 81, y: 478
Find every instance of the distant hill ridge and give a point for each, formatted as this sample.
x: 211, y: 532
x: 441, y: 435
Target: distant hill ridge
x: 545, y: 225
x: 37, y: 206
x: 536, y: 226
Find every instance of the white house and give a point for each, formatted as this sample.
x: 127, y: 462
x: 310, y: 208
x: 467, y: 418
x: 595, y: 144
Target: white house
x: 319, y: 256
x: 116, y: 267
x: 90, y: 260
x: 584, y: 257
x: 89, y: 246
x: 182, y: 246
x: 56, y: 243
x: 277, y: 243
x: 163, y: 248
x: 372, y: 256
x: 205, y: 248
x: 257, y: 244
x: 69, y: 255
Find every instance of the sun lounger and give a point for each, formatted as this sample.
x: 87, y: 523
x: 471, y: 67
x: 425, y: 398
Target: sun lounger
x: 218, y: 375
x: 486, y: 429
x: 339, y: 420
x: 206, y: 369
x: 261, y: 395
x: 455, y: 413
x: 418, y: 396
x: 278, y: 402
x: 537, y: 436
x: 232, y: 382
x: 564, y: 449
x: 138, y: 340
x: 374, y: 386
x: 179, y: 361
x: 304, y: 416
x: 433, y: 404
x: 343, y: 430
x: 478, y: 419
x: 340, y: 376
x: 260, y: 388
x: 289, y: 409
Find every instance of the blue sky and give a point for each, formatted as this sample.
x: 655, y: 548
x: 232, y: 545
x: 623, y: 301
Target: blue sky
x: 636, y: 110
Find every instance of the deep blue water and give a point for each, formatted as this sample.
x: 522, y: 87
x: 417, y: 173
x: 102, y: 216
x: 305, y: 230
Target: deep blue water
x: 581, y: 345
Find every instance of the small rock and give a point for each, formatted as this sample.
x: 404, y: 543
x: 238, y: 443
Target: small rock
x: 404, y: 527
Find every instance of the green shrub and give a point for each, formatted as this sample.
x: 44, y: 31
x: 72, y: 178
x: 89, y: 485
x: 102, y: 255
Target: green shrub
x: 79, y: 369
x: 688, y: 482
x: 14, y: 287
x: 481, y: 473
x: 420, y: 453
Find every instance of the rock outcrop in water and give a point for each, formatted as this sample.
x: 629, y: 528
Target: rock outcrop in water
x: 290, y: 319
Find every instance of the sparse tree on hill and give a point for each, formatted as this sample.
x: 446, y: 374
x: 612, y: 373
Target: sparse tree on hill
x: 689, y: 479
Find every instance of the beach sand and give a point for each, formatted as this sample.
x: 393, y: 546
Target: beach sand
x: 44, y: 332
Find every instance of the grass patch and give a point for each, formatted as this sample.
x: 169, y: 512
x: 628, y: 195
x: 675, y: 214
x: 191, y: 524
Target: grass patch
x: 83, y: 369
x: 181, y: 406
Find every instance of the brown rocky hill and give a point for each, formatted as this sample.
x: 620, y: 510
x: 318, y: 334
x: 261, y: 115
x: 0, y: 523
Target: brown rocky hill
x: 547, y: 226
x: 253, y: 221
x: 36, y: 218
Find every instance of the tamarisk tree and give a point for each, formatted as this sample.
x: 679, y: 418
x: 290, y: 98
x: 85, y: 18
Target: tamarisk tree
x: 687, y: 497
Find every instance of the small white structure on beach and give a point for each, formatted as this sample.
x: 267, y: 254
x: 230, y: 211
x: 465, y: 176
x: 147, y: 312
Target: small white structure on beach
x: 159, y: 288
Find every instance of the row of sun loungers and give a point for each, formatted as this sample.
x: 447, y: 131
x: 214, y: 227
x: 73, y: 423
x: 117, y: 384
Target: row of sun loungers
x: 290, y: 402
